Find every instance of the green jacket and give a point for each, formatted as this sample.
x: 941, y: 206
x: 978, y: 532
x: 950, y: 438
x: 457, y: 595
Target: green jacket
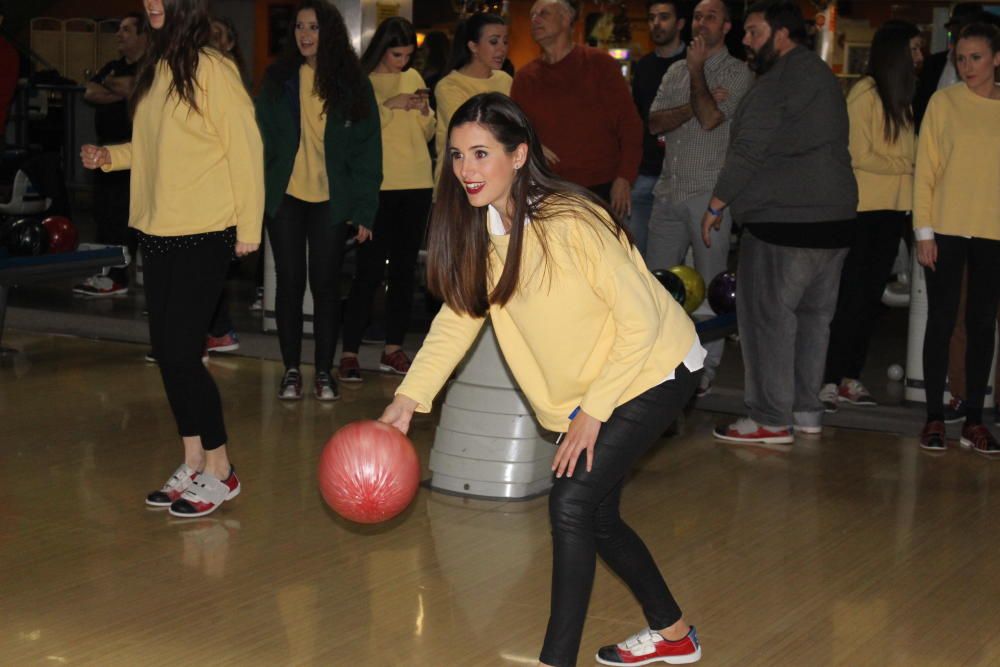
x: 353, y: 151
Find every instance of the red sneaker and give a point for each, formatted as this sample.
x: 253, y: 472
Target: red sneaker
x: 647, y: 647
x: 229, y: 342
x: 749, y: 432
x: 397, y: 362
x: 206, y: 494
x: 979, y: 439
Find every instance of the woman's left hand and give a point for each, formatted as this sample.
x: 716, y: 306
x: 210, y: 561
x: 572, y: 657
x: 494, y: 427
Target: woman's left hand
x: 244, y: 249
x: 581, y: 436
x: 363, y: 234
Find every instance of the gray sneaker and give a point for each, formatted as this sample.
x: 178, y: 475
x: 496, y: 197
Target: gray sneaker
x: 291, y: 385
x: 828, y: 397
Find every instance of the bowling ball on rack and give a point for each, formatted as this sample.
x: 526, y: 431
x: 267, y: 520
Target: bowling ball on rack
x: 61, y: 233
x: 722, y: 293
x: 694, y: 286
x: 672, y: 283
x: 26, y: 237
x: 368, y: 472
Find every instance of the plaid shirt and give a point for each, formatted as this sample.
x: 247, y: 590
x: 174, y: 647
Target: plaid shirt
x: 695, y: 156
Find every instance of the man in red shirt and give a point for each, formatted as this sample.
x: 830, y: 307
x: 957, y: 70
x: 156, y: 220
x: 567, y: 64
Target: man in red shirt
x: 9, y: 65
x: 581, y: 108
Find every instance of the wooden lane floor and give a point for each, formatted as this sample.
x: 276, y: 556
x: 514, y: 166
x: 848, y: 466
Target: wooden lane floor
x: 853, y: 549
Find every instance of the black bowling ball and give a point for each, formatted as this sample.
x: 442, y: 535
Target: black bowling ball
x: 26, y: 238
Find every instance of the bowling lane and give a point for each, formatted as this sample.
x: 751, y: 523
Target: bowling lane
x: 853, y: 549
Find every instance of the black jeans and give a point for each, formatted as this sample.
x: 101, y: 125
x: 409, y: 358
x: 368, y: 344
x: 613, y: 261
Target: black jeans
x: 111, y: 198
x: 182, y: 289
x: 982, y: 258
x: 866, y: 269
x: 397, y: 235
x: 583, y: 510
x: 296, y: 227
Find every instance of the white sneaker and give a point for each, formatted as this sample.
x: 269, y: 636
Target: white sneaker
x: 828, y: 396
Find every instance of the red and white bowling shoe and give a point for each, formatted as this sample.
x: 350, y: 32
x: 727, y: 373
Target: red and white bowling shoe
x: 647, y: 647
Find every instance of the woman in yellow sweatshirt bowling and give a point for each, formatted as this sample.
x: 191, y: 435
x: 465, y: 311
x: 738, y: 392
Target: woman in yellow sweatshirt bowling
x: 601, y: 351
x: 197, y: 196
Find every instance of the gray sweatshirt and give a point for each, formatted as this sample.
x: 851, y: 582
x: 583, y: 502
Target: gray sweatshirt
x: 787, y: 159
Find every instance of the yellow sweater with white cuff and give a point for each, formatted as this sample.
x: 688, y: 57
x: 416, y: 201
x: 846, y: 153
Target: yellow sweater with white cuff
x: 590, y: 327
x: 195, y: 171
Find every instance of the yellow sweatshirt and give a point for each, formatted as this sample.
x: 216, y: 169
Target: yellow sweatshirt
x: 195, y: 172
x: 884, y: 170
x: 957, y: 183
x: 592, y: 329
x: 452, y: 92
x: 406, y: 162
x: 309, y: 181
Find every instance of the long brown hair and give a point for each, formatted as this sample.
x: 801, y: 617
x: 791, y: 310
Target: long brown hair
x: 890, y: 65
x: 340, y: 82
x: 186, y: 30
x: 458, y: 242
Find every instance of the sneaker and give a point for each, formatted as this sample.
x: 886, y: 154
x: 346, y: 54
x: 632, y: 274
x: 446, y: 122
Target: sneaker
x: 954, y: 412
x: 150, y: 359
x: 173, y: 488
x: 748, y: 431
x: 932, y: 437
x: 324, y: 388
x: 258, y: 302
x: 828, y: 397
x: 206, y: 494
x: 227, y: 343
x: 808, y: 430
x: 397, y: 362
x: 291, y: 385
x: 853, y: 392
x: 979, y: 439
x: 100, y: 286
x: 647, y: 647
x: 349, y: 370
x: 704, y: 387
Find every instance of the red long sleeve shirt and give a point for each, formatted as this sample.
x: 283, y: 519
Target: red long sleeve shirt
x: 582, y: 111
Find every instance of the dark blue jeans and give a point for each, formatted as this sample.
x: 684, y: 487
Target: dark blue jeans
x: 583, y: 510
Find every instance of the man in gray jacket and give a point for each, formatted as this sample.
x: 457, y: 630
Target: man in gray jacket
x: 788, y: 180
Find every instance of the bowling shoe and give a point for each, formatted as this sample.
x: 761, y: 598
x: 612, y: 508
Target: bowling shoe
x: 397, y: 362
x: 291, y: 385
x: 979, y: 439
x: 206, y: 494
x: 647, y: 647
x: 954, y: 412
x: 932, y: 437
x: 173, y: 488
x: 853, y: 392
x: 100, y: 286
x: 228, y: 342
x: 349, y: 370
x: 828, y: 395
x: 747, y: 431
x: 324, y: 388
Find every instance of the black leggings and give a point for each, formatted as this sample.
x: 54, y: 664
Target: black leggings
x: 182, y: 289
x: 398, y: 232
x: 299, y: 225
x: 982, y: 257
x: 583, y: 510
x: 867, y: 267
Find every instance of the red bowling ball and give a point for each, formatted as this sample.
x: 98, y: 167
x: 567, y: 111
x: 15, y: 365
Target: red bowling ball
x: 62, y: 234
x: 368, y: 472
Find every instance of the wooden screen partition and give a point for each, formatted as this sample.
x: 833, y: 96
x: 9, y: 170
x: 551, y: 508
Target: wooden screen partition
x: 80, y: 49
x: 47, y: 41
x: 107, y: 42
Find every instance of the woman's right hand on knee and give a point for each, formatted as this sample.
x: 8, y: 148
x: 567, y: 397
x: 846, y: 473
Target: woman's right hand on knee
x: 399, y: 413
x: 94, y: 157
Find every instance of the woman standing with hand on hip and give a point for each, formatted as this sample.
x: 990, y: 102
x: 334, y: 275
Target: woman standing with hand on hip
x: 603, y: 354
x: 323, y: 168
x: 407, y: 125
x: 196, y: 197
x: 956, y: 219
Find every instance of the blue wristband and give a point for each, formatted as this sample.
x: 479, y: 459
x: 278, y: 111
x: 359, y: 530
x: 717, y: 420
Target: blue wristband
x: 715, y: 212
